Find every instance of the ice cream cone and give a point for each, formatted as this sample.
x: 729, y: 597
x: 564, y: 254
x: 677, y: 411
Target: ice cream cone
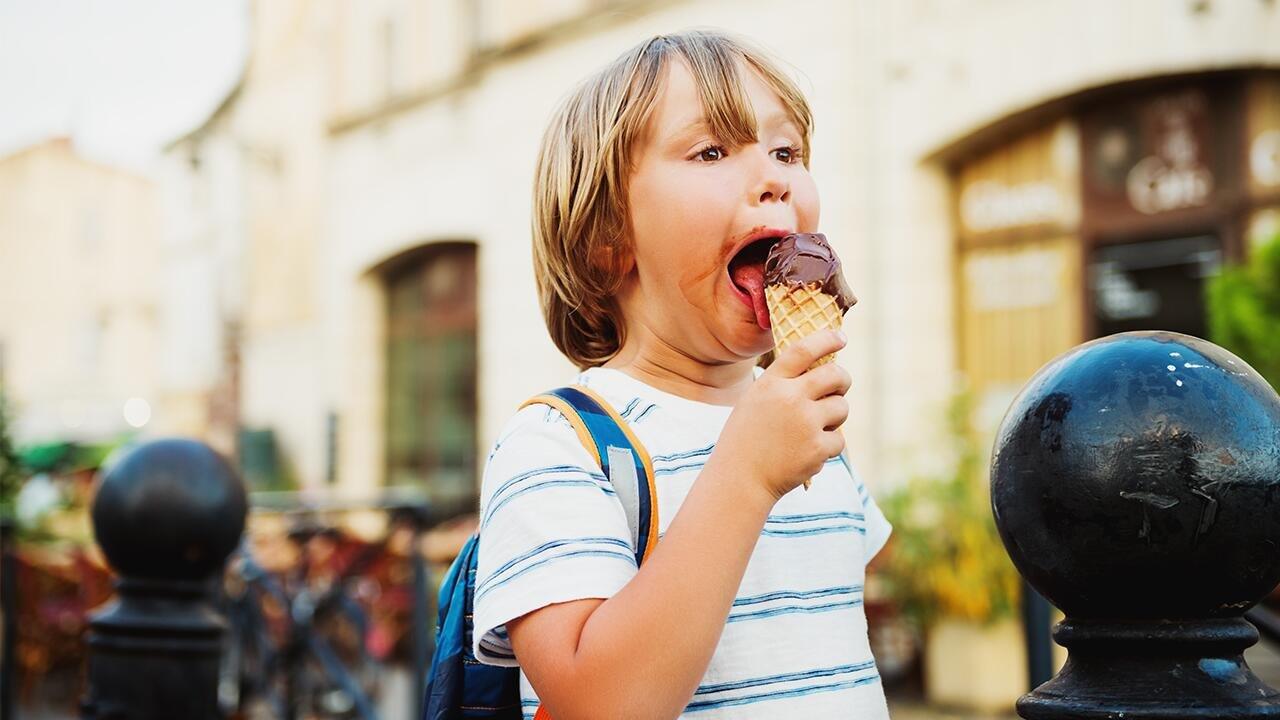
x: 795, y: 312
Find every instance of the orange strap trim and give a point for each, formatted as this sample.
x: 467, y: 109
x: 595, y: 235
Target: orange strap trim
x: 570, y: 414
x: 644, y: 460
x: 584, y: 436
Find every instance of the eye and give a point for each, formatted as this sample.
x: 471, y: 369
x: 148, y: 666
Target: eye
x: 788, y: 154
x: 710, y: 153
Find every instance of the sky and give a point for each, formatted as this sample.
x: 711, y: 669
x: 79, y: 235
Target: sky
x: 121, y: 77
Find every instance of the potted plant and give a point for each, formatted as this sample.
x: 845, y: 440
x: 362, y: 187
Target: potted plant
x: 948, y: 572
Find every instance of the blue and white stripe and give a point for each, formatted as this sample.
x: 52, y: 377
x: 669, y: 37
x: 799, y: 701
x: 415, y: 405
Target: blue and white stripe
x: 786, y: 685
x: 560, y: 476
x: 787, y: 602
x: 554, y: 551
x: 685, y: 461
x: 501, y: 651
x: 636, y: 410
x: 644, y: 413
x: 807, y: 524
x: 630, y: 408
x: 685, y: 455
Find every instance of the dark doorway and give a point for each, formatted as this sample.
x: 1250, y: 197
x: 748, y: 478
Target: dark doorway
x: 1152, y: 285
x: 431, y: 370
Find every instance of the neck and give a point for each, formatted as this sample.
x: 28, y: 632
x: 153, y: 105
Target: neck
x: 659, y: 364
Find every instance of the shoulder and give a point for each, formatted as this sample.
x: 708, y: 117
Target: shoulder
x: 538, y: 445
x: 534, y: 418
x: 537, y: 424
x: 625, y: 396
x: 534, y: 431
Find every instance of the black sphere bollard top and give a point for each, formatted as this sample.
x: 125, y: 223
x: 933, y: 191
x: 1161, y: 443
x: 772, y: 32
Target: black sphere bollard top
x: 167, y: 514
x: 1136, y: 485
x: 171, y: 509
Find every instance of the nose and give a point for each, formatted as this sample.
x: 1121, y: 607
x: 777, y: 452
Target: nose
x: 771, y: 185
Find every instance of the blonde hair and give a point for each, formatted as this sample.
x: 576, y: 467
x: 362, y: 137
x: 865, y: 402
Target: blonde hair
x: 580, y: 186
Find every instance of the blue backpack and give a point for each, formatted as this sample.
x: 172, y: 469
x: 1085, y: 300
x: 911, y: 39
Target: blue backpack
x: 458, y: 685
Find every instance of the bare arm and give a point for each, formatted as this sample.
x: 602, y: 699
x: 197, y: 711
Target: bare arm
x: 661, y: 628
x: 642, y: 652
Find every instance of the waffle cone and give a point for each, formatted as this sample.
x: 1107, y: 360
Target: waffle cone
x: 798, y: 312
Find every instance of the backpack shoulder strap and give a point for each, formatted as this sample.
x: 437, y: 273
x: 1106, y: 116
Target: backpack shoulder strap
x: 626, y: 463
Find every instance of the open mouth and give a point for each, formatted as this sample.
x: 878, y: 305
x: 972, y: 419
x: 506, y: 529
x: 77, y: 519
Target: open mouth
x: 746, y: 272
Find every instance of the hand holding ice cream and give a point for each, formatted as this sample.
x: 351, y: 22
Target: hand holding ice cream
x: 805, y: 290
x: 795, y: 288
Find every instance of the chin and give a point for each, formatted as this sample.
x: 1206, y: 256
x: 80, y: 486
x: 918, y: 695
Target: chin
x: 748, y: 347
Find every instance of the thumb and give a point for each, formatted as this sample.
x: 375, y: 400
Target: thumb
x: 797, y: 357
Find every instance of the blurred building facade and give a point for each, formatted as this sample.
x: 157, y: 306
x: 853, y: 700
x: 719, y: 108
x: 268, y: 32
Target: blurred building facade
x: 201, y: 186
x: 246, y: 205
x: 1003, y: 180
x: 79, y: 329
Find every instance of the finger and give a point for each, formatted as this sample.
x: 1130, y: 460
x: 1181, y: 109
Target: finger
x: 833, y: 410
x: 833, y: 443
x: 829, y: 379
x: 797, y: 357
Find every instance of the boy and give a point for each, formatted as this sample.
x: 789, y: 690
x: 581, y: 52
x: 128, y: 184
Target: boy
x: 654, y: 175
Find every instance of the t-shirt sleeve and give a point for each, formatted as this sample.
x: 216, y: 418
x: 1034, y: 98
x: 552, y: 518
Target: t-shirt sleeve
x: 552, y: 529
x: 878, y: 527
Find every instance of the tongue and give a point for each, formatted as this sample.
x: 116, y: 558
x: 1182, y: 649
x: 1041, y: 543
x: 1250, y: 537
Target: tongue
x: 750, y: 278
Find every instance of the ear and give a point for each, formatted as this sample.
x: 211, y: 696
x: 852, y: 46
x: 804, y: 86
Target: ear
x: 614, y: 258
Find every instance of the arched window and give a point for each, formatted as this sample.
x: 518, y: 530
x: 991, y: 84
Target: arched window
x: 431, y: 370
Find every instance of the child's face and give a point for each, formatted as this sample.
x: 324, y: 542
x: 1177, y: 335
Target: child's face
x: 694, y: 203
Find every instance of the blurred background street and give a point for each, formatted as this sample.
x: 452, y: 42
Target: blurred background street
x: 298, y: 230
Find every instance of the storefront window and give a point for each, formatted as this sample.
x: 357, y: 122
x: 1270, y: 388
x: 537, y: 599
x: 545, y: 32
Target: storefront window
x: 1153, y: 285
x: 431, y: 371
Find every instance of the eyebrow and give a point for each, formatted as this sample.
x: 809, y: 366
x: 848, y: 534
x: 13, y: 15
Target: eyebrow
x: 781, y: 117
x: 697, y: 124
x: 702, y: 124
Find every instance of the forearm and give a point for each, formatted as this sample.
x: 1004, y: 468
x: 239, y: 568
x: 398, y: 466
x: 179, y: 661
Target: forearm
x: 663, y: 627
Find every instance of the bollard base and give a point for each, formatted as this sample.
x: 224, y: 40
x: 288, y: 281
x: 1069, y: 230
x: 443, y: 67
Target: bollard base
x: 1153, y: 671
x: 1043, y: 704
x: 1033, y: 707
x: 154, y: 654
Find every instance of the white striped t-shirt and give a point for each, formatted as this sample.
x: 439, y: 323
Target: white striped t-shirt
x: 553, y: 530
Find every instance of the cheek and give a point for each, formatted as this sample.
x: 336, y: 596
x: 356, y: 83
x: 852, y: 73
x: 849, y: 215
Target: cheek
x: 808, y: 207
x: 681, y: 208
x: 676, y: 225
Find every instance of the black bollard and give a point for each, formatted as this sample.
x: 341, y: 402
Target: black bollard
x: 167, y: 514
x: 1136, y: 485
x: 8, y: 608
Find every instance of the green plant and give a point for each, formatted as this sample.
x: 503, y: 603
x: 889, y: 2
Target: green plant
x: 10, y: 470
x: 946, y: 559
x: 1244, y: 310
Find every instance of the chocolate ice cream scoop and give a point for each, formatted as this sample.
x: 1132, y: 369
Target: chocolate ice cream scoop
x: 802, y: 259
